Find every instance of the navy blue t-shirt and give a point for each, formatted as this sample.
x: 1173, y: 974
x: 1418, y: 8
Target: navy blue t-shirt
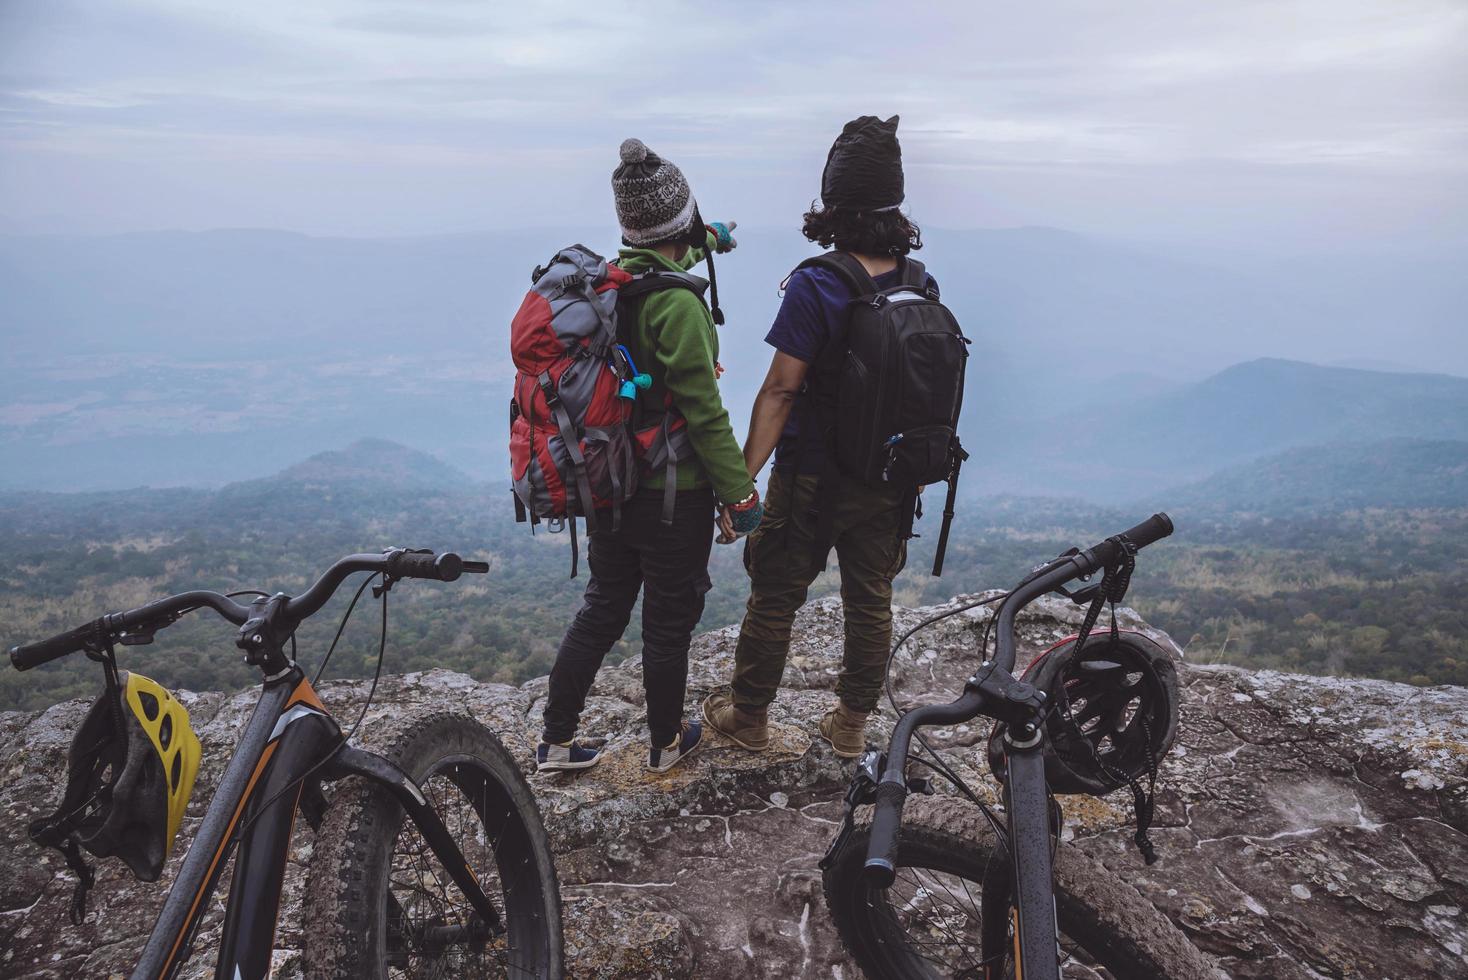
x: 813, y: 309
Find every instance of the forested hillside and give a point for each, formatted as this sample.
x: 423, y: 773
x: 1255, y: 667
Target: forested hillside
x: 1372, y: 591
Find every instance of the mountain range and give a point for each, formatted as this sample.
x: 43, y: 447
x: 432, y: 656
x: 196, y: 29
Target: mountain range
x: 1125, y: 447
x: 201, y: 359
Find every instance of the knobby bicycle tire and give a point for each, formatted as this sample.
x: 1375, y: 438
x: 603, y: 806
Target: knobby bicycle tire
x: 376, y: 894
x: 1108, y: 930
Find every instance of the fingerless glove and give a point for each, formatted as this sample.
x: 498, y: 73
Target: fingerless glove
x: 746, y: 515
x: 723, y: 236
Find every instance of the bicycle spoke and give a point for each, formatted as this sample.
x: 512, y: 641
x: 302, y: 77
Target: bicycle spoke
x: 925, y: 910
x: 483, y: 823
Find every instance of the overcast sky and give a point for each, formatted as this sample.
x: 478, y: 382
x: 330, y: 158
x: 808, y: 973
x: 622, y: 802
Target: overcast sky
x: 1326, y: 121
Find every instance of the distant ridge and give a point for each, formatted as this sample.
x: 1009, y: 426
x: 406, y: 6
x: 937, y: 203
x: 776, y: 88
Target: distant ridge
x: 376, y: 462
x: 1387, y: 473
x: 1258, y: 408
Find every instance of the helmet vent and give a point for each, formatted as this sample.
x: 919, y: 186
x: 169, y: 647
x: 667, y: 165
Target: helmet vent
x: 150, y: 705
x: 174, y: 772
x: 165, y: 732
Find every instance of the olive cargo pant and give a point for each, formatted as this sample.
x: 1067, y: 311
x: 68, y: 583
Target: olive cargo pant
x: 782, y: 563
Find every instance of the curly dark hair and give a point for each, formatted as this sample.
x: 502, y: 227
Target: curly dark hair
x: 862, y: 232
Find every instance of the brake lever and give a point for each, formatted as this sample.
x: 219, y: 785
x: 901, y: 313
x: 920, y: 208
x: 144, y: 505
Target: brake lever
x: 1081, y: 596
x: 144, y: 633
x: 862, y: 791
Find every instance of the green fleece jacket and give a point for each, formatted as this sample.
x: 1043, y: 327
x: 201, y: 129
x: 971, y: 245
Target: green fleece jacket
x: 674, y: 341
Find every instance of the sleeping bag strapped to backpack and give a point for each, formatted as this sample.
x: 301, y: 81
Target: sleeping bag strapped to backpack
x: 889, y: 389
x: 581, y: 432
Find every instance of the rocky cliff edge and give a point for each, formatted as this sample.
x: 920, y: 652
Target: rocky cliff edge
x: 1308, y: 827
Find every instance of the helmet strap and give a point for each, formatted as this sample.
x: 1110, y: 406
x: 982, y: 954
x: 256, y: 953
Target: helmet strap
x: 85, y: 879
x: 1115, y: 580
x: 57, y: 830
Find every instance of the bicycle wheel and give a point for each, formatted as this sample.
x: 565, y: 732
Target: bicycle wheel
x: 929, y: 923
x: 383, y: 901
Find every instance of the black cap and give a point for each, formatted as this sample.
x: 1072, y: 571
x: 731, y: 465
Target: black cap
x: 864, y: 168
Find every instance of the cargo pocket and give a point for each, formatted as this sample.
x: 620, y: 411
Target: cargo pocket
x: 899, y: 561
x: 767, y: 546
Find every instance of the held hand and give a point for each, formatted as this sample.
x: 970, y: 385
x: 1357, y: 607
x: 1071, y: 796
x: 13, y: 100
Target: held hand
x: 726, y: 527
x: 723, y: 235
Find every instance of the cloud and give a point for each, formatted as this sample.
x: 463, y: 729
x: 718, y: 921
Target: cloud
x: 1102, y: 105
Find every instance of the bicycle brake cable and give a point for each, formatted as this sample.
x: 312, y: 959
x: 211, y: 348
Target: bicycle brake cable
x: 936, y: 762
x: 342, y: 626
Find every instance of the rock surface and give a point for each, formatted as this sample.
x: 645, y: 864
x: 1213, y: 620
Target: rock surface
x: 1309, y: 827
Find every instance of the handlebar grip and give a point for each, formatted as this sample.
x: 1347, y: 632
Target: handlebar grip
x: 1150, y: 531
x: 1153, y: 529
x: 881, y: 865
x: 425, y: 564
x: 28, y: 655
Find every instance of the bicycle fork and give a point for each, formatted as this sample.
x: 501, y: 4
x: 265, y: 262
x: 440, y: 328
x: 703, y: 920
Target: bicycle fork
x: 1032, y: 906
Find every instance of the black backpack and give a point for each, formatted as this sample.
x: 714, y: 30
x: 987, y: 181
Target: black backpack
x: 888, y: 388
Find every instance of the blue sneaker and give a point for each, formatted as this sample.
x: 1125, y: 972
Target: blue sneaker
x: 564, y: 756
x: 661, y: 760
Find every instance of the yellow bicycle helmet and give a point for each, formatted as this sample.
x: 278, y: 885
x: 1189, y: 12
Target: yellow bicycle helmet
x: 130, y: 772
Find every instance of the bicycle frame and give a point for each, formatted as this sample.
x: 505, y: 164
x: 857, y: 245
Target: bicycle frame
x: 290, y: 746
x: 289, y: 732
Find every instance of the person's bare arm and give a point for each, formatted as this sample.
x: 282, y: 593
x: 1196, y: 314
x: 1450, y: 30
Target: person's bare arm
x: 767, y: 421
x: 772, y: 409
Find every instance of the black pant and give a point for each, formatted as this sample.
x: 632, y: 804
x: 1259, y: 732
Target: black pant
x: 672, y: 562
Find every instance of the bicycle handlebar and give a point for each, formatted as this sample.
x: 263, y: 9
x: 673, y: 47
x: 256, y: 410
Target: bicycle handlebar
x: 1150, y: 531
x: 881, y: 865
x: 891, y: 795
x: 395, y: 563
x: 28, y: 655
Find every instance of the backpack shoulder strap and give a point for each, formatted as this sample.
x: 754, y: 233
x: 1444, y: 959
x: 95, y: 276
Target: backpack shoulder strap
x: 852, y: 272
x: 914, y: 273
x: 657, y: 280
x: 644, y: 284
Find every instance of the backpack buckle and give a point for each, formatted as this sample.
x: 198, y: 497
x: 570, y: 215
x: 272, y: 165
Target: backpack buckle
x: 575, y: 280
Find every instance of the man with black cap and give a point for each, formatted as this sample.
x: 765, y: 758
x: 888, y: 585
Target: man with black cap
x: 859, y: 214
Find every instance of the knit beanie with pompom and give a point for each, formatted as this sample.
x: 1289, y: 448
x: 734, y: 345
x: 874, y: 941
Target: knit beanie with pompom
x: 654, y: 203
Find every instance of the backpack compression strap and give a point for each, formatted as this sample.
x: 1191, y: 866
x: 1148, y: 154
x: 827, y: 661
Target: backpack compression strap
x: 573, y: 447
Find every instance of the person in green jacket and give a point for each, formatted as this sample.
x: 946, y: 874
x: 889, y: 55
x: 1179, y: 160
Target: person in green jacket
x: 663, y: 556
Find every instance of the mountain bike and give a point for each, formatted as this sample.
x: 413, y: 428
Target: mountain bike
x: 960, y: 891
x: 465, y: 886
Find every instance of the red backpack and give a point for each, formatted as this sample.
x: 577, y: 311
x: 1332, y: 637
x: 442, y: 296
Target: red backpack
x: 581, y: 433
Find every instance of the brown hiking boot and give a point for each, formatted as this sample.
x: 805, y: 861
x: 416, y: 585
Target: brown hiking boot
x: 745, y: 728
x: 845, y: 730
